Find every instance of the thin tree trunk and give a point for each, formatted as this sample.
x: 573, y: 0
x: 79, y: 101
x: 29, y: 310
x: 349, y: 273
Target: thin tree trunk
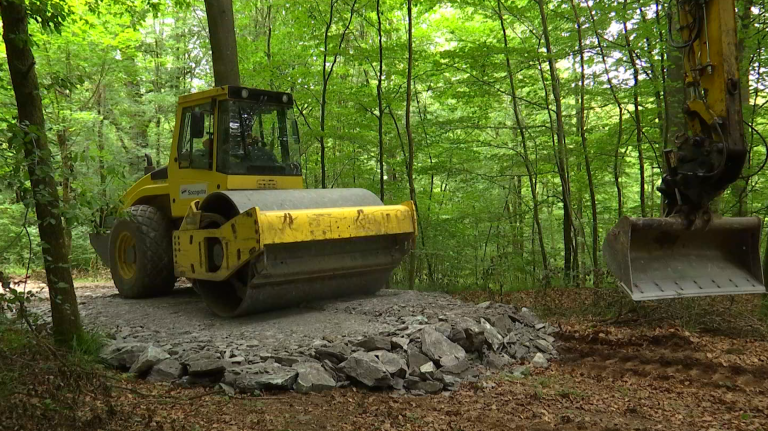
x: 583, y: 134
x: 638, y: 120
x: 409, y: 134
x: 521, y: 129
x: 101, y: 110
x: 562, y: 165
x: 31, y: 135
x: 327, y: 72
x: 617, y: 165
x: 221, y: 30
x: 617, y: 153
x: 381, y: 105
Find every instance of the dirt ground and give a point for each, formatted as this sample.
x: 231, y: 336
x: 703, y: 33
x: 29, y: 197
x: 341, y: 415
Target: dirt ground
x: 612, y: 375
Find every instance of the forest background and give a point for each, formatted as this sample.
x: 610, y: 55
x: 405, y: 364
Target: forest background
x: 535, y: 125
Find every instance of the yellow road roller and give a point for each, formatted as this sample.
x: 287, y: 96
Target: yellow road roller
x: 230, y: 213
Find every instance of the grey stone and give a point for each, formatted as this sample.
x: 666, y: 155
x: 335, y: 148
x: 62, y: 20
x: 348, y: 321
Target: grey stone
x: 450, y: 382
x: 215, y: 366
x: 539, y: 326
x: 286, y: 360
x: 502, y: 323
x: 416, y: 359
x: 335, y: 353
x: 197, y: 381
x: 366, y: 369
x: 151, y: 356
x: 188, y: 357
x: 449, y: 361
x: 495, y: 340
x: 526, y: 317
x: 375, y: 342
x: 428, y: 387
x: 397, y: 383
x: 166, y: 371
x: 122, y: 355
x: 437, y: 347
x: 520, y: 351
x: 459, y: 368
x: 484, y: 305
x: 256, y: 377
x: 442, y: 328
x: 496, y: 361
x: 457, y: 336
x: 539, y: 361
x: 427, y: 368
x: 399, y: 343
x: 474, y: 336
x: 543, y: 346
x: 394, y: 364
x: 229, y: 390
x: 312, y: 378
x: 550, y: 339
x: 510, y: 339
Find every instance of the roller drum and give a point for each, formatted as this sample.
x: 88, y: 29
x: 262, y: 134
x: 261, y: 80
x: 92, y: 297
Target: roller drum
x: 287, y: 275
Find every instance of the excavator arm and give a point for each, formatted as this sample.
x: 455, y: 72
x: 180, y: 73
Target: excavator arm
x: 691, y: 251
x: 705, y: 161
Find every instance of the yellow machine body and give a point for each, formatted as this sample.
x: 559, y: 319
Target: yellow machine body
x: 255, y: 241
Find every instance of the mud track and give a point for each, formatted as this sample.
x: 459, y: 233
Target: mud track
x: 667, y: 356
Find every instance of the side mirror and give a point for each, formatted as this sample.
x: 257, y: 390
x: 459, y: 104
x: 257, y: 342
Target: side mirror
x: 197, y: 125
x: 150, y: 166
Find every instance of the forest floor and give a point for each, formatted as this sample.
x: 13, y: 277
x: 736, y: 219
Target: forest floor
x: 685, y: 365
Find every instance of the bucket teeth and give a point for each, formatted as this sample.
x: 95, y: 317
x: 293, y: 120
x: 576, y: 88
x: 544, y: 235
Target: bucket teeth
x: 656, y: 258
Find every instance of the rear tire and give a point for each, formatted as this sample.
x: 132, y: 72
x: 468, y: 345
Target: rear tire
x: 141, y: 253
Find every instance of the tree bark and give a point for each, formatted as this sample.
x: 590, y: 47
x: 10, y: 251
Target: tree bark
x: 101, y: 97
x: 617, y: 153
x: 381, y: 105
x: 327, y: 72
x: 221, y: 30
x: 521, y: 129
x: 409, y: 134
x: 583, y: 134
x: 561, y: 157
x: 31, y: 135
x: 638, y: 119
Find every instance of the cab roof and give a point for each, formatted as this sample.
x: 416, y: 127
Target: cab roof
x: 240, y: 93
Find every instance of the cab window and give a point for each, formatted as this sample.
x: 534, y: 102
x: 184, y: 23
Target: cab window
x: 257, y: 139
x: 196, y: 137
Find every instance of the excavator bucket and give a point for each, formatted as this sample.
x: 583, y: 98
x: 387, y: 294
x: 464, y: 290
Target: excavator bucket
x: 658, y: 258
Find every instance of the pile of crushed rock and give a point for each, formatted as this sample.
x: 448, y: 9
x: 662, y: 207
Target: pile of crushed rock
x: 421, y: 356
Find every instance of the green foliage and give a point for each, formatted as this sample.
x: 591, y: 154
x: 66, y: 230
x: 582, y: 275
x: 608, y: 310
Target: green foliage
x: 111, y: 77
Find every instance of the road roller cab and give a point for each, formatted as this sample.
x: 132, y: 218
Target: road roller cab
x: 229, y: 212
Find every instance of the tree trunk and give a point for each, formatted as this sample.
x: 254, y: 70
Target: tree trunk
x: 409, y: 134
x: 617, y: 153
x: 638, y: 119
x: 101, y: 97
x: 67, y: 167
x: 583, y: 134
x: 562, y: 158
x: 327, y: 72
x: 31, y: 135
x: 521, y: 129
x: 381, y: 105
x: 221, y: 30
